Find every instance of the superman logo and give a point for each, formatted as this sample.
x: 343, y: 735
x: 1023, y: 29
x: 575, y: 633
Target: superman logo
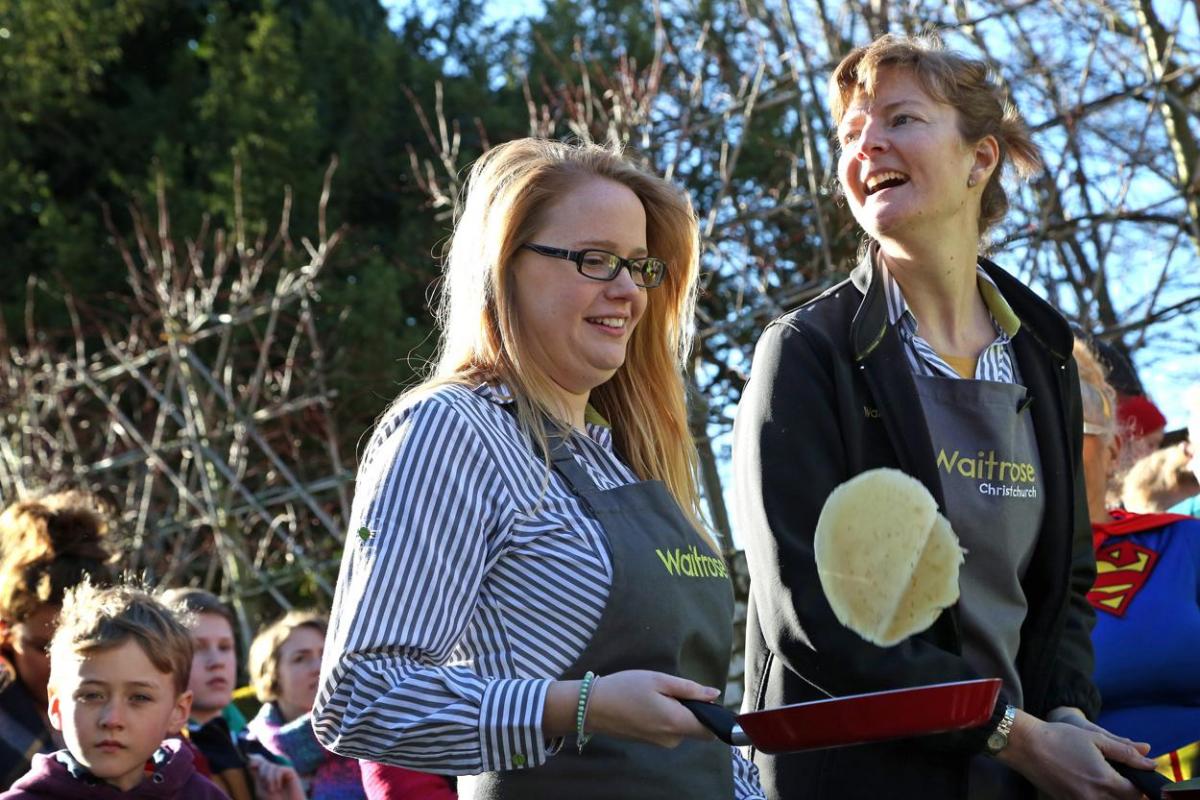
x: 1122, y: 569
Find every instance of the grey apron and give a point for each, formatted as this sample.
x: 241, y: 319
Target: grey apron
x: 987, y: 458
x: 669, y: 609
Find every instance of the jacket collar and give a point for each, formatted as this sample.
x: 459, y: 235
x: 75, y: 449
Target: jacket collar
x: 870, y: 322
x: 1037, y: 317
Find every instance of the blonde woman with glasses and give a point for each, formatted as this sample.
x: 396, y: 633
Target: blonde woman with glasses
x: 528, y: 588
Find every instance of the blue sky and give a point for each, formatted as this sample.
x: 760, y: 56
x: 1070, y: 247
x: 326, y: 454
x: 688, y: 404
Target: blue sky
x: 504, y: 9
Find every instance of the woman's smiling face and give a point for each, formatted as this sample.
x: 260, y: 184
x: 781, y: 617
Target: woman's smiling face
x: 904, y: 167
x: 577, y: 328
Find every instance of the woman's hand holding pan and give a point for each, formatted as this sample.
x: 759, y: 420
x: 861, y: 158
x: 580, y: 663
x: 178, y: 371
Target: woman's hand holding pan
x: 639, y: 704
x: 634, y: 704
x: 1069, y: 760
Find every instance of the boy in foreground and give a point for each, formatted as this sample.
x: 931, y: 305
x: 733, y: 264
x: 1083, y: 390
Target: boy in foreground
x: 119, y: 670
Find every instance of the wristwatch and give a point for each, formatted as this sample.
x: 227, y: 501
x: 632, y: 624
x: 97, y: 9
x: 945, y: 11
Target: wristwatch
x: 998, y: 739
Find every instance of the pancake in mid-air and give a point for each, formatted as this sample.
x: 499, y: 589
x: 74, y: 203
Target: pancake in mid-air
x: 887, y: 560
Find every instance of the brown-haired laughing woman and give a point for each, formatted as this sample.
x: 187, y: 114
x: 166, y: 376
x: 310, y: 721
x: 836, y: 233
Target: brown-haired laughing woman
x: 933, y: 360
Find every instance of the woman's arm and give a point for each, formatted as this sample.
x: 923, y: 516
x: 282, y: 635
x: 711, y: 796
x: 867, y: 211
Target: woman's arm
x: 1067, y: 760
x: 633, y: 704
x: 1065, y: 754
x: 424, y: 532
x: 428, y: 507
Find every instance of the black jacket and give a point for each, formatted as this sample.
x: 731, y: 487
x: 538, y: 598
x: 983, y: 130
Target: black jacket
x: 830, y: 396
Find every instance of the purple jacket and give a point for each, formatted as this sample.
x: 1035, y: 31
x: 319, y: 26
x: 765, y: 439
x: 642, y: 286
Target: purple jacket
x: 59, y: 775
x: 327, y: 776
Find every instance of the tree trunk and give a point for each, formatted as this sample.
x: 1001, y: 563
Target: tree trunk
x: 710, y: 479
x: 1184, y: 148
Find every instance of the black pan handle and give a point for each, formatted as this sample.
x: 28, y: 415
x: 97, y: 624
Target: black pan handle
x: 718, y: 719
x: 1148, y: 782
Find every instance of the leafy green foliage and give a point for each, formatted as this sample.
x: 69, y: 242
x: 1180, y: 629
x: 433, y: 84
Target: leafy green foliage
x: 229, y: 102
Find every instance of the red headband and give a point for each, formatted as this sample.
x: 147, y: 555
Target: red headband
x: 1139, y: 415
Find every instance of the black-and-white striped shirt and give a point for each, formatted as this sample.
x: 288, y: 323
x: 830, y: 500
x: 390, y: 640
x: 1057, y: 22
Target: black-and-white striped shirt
x: 464, y: 589
x: 995, y: 363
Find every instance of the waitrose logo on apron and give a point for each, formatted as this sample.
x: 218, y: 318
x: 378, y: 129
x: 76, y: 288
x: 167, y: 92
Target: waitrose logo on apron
x: 691, y: 563
x: 996, y: 476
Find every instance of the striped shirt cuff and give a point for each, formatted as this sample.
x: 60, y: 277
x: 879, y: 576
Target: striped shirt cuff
x: 510, y: 723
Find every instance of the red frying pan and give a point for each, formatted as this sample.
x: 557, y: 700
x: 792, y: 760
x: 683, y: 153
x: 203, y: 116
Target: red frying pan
x: 857, y: 719
x: 879, y: 716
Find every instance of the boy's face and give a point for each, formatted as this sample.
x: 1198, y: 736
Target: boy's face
x: 114, y: 707
x: 214, y: 666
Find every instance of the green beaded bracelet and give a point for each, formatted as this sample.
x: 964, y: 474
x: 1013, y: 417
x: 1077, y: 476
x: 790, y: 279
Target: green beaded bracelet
x: 585, y: 694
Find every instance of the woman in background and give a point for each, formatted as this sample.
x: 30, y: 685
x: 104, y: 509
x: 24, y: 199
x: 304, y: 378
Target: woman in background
x: 47, y: 545
x: 1147, y: 600
x: 284, y: 666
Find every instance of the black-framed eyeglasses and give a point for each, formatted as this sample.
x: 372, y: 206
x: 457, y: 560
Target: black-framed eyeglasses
x: 601, y: 265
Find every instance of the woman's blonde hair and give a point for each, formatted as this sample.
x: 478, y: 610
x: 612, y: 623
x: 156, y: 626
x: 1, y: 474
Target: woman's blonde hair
x: 968, y: 85
x: 263, y: 662
x: 507, y: 196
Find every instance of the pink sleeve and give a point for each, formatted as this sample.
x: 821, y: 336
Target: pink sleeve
x: 386, y: 782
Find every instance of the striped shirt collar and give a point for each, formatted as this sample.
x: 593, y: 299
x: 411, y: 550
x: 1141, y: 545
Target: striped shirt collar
x: 995, y: 363
x: 1004, y: 319
x: 598, y: 428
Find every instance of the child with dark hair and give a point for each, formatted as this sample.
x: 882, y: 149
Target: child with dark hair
x: 120, y: 662
x: 47, y: 546
x: 243, y: 768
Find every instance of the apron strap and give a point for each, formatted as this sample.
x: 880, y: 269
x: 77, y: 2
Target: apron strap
x: 562, y: 459
x: 566, y: 465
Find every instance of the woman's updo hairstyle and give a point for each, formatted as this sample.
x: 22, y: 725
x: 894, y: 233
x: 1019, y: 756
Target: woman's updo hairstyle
x: 1097, y: 395
x: 967, y: 84
x: 47, y: 546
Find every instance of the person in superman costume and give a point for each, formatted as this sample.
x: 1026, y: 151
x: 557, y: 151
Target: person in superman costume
x: 1147, y: 601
